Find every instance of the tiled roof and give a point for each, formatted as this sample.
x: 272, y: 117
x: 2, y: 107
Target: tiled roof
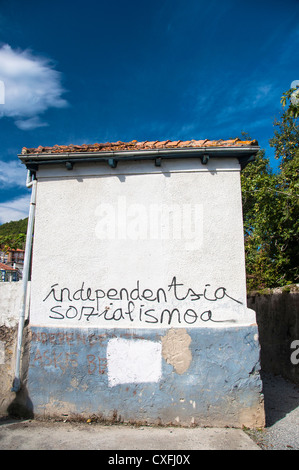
x: 17, y: 250
x: 135, y: 145
x: 6, y: 268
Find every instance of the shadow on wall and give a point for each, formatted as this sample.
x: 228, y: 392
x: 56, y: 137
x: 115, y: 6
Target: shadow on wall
x: 277, y: 316
x: 21, y: 406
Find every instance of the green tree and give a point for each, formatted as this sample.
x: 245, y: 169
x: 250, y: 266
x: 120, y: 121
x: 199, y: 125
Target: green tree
x: 291, y: 99
x: 259, y: 196
x: 286, y: 145
x: 13, y: 234
x: 271, y: 210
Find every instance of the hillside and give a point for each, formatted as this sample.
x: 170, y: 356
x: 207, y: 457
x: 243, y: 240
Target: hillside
x: 14, y: 228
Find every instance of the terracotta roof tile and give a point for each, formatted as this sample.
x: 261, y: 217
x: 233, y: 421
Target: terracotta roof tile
x: 135, y: 145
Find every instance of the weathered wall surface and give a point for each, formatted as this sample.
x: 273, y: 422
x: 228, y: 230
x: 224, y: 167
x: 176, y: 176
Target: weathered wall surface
x: 179, y: 376
x: 277, y: 313
x: 10, y: 298
x: 7, y: 356
x: 277, y: 317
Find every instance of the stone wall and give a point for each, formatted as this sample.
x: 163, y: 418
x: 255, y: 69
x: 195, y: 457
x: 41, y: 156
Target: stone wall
x: 277, y: 314
x: 10, y: 299
x: 10, y: 303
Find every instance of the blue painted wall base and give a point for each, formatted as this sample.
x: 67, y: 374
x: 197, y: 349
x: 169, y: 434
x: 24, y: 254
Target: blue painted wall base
x: 69, y: 375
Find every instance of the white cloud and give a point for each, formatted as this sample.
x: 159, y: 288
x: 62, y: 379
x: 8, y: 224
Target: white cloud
x: 31, y: 123
x: 12, y: 173
x: 31, y: 87
x: 14, y: 210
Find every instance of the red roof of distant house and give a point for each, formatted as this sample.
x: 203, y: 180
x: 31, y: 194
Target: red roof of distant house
x: 6, y: 268
x: 16, y: 250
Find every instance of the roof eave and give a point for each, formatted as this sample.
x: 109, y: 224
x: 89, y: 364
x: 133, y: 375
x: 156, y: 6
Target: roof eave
x: 243, y: 154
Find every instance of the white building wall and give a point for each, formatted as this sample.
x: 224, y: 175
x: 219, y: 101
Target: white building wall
x: 100, y: 230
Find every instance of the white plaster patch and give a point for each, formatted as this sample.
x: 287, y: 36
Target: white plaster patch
x: 133, y: 361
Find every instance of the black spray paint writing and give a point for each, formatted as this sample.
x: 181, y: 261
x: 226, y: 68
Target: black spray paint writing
x: 85, y: 304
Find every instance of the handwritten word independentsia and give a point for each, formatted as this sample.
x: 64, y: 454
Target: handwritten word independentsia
x: 139, y: 305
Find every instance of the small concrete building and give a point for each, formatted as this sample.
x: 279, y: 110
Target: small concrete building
x: 138, y: 290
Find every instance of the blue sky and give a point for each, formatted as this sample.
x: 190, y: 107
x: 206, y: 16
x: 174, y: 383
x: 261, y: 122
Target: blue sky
x: 92, y: 71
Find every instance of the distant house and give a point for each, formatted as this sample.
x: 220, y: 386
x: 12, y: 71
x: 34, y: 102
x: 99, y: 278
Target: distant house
x: 13, y: 259
x: 8, y: 273
x: 3, y: 256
